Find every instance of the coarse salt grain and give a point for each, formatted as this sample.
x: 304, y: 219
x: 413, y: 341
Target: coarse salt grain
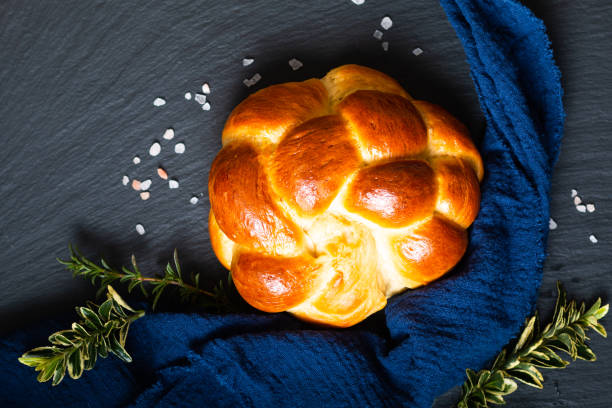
x: 155, y: 149
x: 136, y: 160
x: 574, y: 193
x: 179, y: 148
x: 593, y: 238
x: 247, y: 61
x: 162, y: 173
x: 125, y: 180
x: 577, y: 200
x: 385, y: 45
x: 140, y: 229
x: 159, y: 102
x: 358, y: 2
x: 552, y: 225
x: 169, y: 134
x: 206, y: 88
x: 206, y: 106
x: 145, y: 195
x: 295, y: 64
x: 252, y: 81
x: 200, y: 98
x: 378, y: 34
x: 590, y: 207
x: 581, y: 208
x: 417, y: 51
x: 145, y: 185
x: 188, y: 96
x: 136, y: 185
x: 173, y: 183
x: 194, y: 200
x: 386, y: 22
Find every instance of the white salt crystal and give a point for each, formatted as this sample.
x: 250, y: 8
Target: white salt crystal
x: 206, y: 88
x: 254, y: 79
x: 358, y: 2
x: 417, y: 51
x: 593, y: 238
x: 552, y: 225
x: 577, y: 200
x: 159, y: 102
x: 194, y: 200
x: 295, y: 64
x: 173, y: 183
x: 145, y: 185
x: 140, y: 229
x: 169, y: 134
x: 188, y: 96
x: 136, y: 160
x: 574, y: 193
x: 179, y: 148
x: 206, y: 106
x: 155, y: 149
x: 385, y: 45
x: 247, y: 61
x: 386, y: 22
x: 200, y: 98
x: 125, y: 180
x: 581, y: 208
x: 378, y: 34
x: 590, y: 207
x: 145, y: 195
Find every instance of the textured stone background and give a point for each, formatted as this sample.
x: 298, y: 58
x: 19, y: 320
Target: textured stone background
x: 77, y: 81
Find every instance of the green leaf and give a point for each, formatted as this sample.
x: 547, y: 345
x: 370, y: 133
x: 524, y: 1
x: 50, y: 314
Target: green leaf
x: 105, y: 310
x: 602, y: 312
x: 59, y: 373
x: 585, y: 353
x: 600, y: 329
x: 74, y: 364
x: 37, y: 356
x: 495, y: 399
x: 118, y: 350
x: 525, y: 335
x: 59, y: 339
x: 91, y: 318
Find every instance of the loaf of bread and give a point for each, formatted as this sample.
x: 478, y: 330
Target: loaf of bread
x: 331, y: 195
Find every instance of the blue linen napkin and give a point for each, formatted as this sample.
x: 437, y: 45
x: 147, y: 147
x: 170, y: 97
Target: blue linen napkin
x: 420, y: 346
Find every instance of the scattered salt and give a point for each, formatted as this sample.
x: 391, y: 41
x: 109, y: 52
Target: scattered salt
x: 254, y: 79
x: 140, y: 229
x: 200, y: 98
x: 194, y: 200
x: 577, y: 200
x: 417, y: 51
x: 188, y: 96
x: 145, y: 195
x: 581, y: 208
x: 179, y: 148
x: 145, y: 185
x: 206, y: 106
x: 136, y: 185
x: 386, y: 22
x: 590, y: 207
x: 378, y: 34
x: 159, y: 102
x: 162, y: 173
x: 358, y: 2
x: 173, y: 183
x: 206, y: 88
x: 169, y: 134
x: 574, y: 193
x: 136, y: 160
x: 552, y: 225
x: 247, y: 61
x: 295, y: 64
x: 593, y: 238
x: 155, y: 149
x: 385, y: 45
x: 125, y: 180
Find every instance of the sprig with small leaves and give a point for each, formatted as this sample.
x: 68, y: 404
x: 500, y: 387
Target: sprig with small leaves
x: 102, y: 330
x: 535, y: 349
x: 189, y: 292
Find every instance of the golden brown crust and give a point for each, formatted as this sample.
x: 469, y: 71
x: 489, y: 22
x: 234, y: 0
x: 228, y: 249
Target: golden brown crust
x: 243, y: 205
x: 448, y: 136
x: 312, y: 162
x: 394, y: 194
x: 346, y: 79
x: 458, y: 190
x: 273, y: 283
x: 268, y: 113
x: 430, y: 250
x: 386, y: 125
x: 221, y: 244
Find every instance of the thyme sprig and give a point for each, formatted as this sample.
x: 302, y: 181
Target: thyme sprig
x: 535, y: 349
x: 189, y: 292
x: 102, y: 330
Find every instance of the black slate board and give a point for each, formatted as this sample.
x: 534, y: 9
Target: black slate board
x: 77, y: 82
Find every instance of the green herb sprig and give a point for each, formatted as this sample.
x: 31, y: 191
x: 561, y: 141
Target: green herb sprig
x: 102, y: 330
x: 535, y: 349
x: 104, y: 274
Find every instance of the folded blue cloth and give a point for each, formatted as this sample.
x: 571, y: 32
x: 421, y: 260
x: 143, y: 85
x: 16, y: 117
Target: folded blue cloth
x: 426, y: 338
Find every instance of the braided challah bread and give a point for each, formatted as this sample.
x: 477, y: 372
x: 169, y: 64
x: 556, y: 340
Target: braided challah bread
x: 331, y: 195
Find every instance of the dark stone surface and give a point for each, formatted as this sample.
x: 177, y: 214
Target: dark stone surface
x: 77, y: 82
